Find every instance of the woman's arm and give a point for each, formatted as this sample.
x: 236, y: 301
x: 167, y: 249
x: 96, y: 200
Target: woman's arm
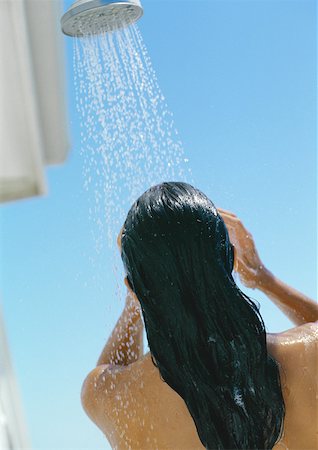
x: 299, y: 308
x: 125, y: 344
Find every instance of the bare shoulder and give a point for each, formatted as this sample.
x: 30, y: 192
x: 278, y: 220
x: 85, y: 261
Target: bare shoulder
x: 306, y: 333
x: 294, y: 343
x: 106, y: 383
x: 97, y: 388
x: 295, y: 350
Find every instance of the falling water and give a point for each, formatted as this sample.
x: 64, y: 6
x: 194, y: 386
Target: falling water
x: 128, y: 137
x: 128, y: 143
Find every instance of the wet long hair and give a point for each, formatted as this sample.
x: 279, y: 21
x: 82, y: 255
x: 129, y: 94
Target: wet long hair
x: 206, y: 337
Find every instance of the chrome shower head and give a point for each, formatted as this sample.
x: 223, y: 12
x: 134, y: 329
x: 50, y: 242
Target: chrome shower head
x: 86, y: 17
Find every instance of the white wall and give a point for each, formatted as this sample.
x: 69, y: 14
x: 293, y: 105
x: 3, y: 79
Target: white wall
x: 33, y: 125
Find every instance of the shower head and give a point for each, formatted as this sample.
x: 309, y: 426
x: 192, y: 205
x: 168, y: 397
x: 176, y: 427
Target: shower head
x: 86, y: 17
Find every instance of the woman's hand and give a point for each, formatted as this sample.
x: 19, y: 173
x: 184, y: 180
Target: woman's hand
x: 247, y: 263
x: 119, y: 238
x: 132, y: 302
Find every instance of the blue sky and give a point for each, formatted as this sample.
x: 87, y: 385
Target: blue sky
x: 240, y: 79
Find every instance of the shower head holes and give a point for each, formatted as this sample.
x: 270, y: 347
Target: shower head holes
x: 90, y: 17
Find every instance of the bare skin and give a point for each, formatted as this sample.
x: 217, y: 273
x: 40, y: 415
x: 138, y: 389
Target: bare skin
x: 126, y: 398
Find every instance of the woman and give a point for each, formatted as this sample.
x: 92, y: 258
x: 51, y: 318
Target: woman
x: 213, y: 378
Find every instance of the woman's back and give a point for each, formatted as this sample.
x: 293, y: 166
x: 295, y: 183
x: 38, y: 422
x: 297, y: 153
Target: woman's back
x: 227, y: 384
x: 145, y: 413
x: 296, y: 352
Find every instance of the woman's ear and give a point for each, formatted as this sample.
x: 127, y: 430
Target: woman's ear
x: 126, y: 281
x: 131, y: 293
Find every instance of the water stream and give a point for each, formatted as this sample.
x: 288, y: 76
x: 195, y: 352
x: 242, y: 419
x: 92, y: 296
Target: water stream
x: 128, y: 137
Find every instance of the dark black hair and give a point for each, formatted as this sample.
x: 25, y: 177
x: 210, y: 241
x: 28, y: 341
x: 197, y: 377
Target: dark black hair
x: 206, y: 337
